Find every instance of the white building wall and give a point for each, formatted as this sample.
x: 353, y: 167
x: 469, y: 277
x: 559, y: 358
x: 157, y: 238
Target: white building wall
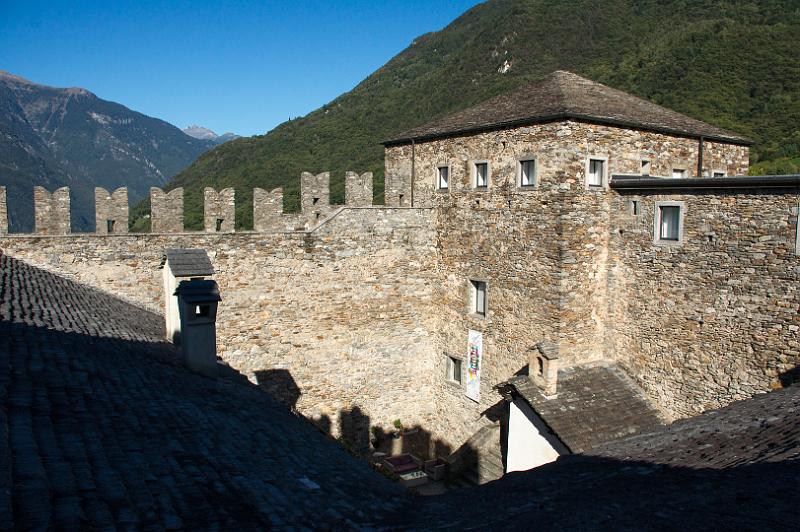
x: 530, y: 444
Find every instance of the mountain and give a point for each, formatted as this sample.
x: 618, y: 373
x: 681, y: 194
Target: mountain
x: 731, y: 63
x: 203, y: 133
x: 69, y: 137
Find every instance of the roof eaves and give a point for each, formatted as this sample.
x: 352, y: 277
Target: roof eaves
x: 627, y: 182
x: 733, y: 139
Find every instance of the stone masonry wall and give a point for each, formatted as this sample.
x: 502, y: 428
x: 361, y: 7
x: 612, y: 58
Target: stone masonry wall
x: 219, y: 210
x: 315, y: 196
x: 543, y: 250
x: 335, y: 320
x: 166, y: 210
x: 51, y: 211
x: 3, y: 212
x: 715, y: 319
x: 111, y: 211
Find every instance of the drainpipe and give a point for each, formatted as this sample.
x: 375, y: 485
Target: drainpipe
x: 413, y: 169
x: 700, y: 158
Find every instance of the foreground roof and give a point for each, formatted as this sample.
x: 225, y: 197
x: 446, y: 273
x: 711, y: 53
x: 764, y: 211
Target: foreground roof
x: 595, y: 404
x: 735, y: 468
x: 102, y: 428
x: 561, y: 96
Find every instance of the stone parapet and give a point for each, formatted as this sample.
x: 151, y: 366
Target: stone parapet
x: 267, y: 210
x: 51, y: 211
x: 3, y: 212
x: 358, y: 189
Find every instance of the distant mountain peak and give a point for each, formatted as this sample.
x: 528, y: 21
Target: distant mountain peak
x: 203, y: 133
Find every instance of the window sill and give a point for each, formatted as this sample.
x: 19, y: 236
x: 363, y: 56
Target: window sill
x: 527, y: 188
x: 443, y: 191
x: 480, y: 189
x: 476, y: 316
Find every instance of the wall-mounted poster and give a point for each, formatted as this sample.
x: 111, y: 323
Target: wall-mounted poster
x: 474, y: 355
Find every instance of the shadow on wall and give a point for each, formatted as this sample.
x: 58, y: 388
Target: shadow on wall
x: 280, y: 384
x: 789, y: 377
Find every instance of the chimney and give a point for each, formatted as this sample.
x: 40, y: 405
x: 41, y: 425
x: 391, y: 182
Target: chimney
x: 197, y: 305
x: 543, y: 368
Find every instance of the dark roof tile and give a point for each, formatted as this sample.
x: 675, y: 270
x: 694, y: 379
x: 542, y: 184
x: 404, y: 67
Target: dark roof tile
x: 564, y: 95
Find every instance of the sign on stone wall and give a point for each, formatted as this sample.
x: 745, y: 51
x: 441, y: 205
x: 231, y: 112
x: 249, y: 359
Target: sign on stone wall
x: 474, y: 354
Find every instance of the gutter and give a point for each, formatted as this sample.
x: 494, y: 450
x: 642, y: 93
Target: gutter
x: 627, y: 182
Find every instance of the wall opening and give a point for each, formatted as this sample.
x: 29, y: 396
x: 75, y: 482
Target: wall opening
x: 110, y: 225
x: 219, y: 224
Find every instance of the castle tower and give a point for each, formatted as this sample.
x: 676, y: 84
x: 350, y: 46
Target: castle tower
x: 166, y: 210
x: 219, y: 210
x: 358, y: 189
x: 111, y: 211
x: 267, y: 209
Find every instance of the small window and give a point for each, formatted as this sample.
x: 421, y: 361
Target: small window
x: 645, y: 168
x: 718, y: 173
x: 527, y: 173
x: 454, y: 369
x: 219, y: 224
x: 402, y: 200
x: 481, y: 175
x: 678, y: 173
x: 443, y: 177
x: 634, y: 207
x: 110, y: 225
x: 597, y: 172
x: 202, y: 311
x: 478, y: 297
x: 669, y: 221
x: 539, y: 366
x: 314, y: 201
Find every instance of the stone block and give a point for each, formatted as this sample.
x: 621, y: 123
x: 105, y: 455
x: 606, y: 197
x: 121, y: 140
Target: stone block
x: 111, y: 211
x: 219, y: 210
x: 166, y: 211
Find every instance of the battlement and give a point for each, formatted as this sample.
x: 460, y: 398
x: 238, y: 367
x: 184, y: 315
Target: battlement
x: 52, y: 210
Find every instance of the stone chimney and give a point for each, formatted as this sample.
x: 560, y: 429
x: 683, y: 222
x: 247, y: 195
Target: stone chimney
x: 197, y: 304
x: 543, y: 368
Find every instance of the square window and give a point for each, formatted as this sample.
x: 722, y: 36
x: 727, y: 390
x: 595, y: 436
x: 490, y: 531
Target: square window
x: 527, y: 173
x: 669, y: 220
x: 478, y: 303
x: 481, y: 175
x: 443, y: 178
x: 597, y: 172
x: 678, y: 173
x: 719, y: 174
x: 454, y: 369
x: 645, y: 168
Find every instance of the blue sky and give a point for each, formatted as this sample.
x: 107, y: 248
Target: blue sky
x: 241, y: 66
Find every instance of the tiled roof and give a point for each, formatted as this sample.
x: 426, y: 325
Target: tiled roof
x: 189, y: 262
x: 102, y: 428
x: 560, y: 96
x: 736, y: 468
x: 595, y: 404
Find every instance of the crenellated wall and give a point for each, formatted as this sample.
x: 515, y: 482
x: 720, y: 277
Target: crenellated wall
x: 111, y: 211
x: 327, y: 320
x: 358, y: 189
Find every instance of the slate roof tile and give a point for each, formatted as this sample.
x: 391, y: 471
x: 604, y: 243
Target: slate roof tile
x: 106, y: 429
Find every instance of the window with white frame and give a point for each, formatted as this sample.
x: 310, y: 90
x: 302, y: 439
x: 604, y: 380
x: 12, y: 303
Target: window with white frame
x: 645, y: 168
x: 678, y: 173
x: 527, y: 173
x: 443, y: 177
x: 718, y: 173
x: 596, y: 172
x: 453, y: 369
x: 668, y: 226
x: 481, y: 175
x: 478, y: 297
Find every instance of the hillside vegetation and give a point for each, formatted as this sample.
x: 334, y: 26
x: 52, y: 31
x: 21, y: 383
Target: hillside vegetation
x: 734, y: 64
